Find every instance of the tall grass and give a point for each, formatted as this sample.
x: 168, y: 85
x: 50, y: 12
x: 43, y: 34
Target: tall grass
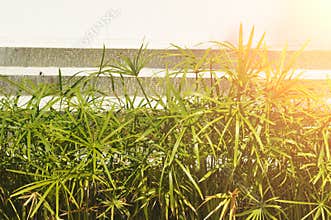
x: 256, y: 149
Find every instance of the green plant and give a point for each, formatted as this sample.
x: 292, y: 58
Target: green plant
x: 257, y: 149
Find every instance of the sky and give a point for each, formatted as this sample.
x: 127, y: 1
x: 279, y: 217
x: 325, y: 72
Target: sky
x: 126, y: 24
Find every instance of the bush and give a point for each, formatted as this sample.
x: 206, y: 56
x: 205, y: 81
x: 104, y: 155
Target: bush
x: 255, y: 147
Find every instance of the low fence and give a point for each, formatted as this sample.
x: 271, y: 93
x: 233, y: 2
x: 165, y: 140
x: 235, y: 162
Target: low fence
x: 40, y: 65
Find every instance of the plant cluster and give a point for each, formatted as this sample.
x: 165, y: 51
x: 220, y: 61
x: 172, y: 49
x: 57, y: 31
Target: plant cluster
x: 257, y: 148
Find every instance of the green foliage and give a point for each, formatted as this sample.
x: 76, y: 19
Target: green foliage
x: 257, y: 149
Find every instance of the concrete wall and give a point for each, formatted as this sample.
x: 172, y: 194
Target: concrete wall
x: 73, y: 57
x: 40, y: 65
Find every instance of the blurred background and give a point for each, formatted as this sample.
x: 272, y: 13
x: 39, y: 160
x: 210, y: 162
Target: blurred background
x: 125, y: 24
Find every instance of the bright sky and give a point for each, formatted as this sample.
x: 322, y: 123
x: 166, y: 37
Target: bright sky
x: 77, y: 23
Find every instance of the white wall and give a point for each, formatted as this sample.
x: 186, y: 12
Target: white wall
x: 124, y: 23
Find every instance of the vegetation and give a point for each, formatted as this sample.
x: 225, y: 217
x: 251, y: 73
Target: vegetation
x: 257, y: 149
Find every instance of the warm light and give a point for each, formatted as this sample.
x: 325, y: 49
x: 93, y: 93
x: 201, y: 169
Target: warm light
x: 316, y: 21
